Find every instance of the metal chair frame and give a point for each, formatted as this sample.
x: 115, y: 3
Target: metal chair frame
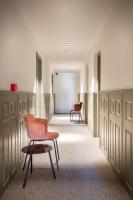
x: 30, y: 153
x: 56, y: 149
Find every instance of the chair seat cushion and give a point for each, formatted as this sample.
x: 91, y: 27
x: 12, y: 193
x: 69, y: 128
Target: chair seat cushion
x: 36, y: 149
x: 52, y: 135
x: 47, y: 136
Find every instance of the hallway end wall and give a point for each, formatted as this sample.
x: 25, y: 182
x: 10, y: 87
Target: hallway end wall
x: 78, y: 67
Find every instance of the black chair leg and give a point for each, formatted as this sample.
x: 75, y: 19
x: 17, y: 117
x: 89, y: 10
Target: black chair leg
x: 57, y: 150
x: 31, y: 170
x: 25, y: 177
x: 56, y: 155
x: 27, y: 155
x: 52, y: 167
x: 72, y: 116
x: 80, y: 116
x: 25, y: 161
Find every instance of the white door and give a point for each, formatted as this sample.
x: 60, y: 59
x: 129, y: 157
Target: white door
x: 65, y: 90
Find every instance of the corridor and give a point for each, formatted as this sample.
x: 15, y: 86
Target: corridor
x: 84, y: 172
x: 54, y: 54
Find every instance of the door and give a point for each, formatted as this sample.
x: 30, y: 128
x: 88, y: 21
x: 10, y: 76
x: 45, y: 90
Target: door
x: 65, y: 90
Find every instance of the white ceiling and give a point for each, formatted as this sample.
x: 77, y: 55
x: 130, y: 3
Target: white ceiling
x: 55, y: 22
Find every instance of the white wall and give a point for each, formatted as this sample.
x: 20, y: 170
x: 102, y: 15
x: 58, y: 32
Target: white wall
x: 83, y: 79
x: 17, y: 50
x: 116, y: 46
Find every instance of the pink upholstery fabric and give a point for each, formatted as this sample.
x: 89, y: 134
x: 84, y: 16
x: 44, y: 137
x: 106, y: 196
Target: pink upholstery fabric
x: 52, y: 135
x: 37, y: 128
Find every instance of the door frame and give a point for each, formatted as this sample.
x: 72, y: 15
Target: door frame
x: 38, y: 83
x: 97, y: 72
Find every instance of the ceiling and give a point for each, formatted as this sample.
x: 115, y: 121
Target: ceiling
x: 57, y: 22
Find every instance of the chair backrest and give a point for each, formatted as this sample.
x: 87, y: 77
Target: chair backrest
x: 36, y: 128
x: 78, y: 106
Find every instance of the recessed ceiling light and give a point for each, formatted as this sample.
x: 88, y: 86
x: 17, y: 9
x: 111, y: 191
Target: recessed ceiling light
x: 66, y: 45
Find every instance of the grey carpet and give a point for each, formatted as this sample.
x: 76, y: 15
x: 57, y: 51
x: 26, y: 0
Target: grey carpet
x: 84, y: 172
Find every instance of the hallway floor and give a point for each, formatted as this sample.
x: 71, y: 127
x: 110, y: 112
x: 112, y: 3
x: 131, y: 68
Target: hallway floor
x: 84, y: 172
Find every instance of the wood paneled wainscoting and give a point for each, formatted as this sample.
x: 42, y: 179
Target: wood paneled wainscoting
x: 83, y: 97
x: 116, y: 132
x: 92, y: 113
x: 12, y: 132
x: 49, y: 100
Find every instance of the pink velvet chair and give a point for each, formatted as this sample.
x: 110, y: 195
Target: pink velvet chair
x: 37, y: 130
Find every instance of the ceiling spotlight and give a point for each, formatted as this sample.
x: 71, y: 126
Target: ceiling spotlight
x: 66, y: 45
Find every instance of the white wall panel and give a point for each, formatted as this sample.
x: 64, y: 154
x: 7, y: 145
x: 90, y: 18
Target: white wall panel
x: 17, y: 50
x: 115, y: 44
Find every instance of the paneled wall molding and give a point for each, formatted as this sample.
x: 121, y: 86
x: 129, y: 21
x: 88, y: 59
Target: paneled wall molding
x: 83, y: 97
x: 116, y: 132
x: 49, y: 105
x: 104, y: 122
x: 12, y: 131
x: 92, y: 113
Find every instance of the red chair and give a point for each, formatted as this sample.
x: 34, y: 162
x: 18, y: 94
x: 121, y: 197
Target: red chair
x: 37, y: 130
x: 76, y: 110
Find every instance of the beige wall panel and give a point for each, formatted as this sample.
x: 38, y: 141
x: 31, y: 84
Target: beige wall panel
x: 116, y: 132
x: 128, y: 138
x: 12, y: 132
x: 8, y: 127
x: 115, y: 129
x: 104, y: 122
x: 92, y: 113
x: 83, y: 97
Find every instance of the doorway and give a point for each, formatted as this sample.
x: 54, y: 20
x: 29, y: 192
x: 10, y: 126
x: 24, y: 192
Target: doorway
x: 99, y: 71
x: 38, y: 83
x: 98, y: 88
